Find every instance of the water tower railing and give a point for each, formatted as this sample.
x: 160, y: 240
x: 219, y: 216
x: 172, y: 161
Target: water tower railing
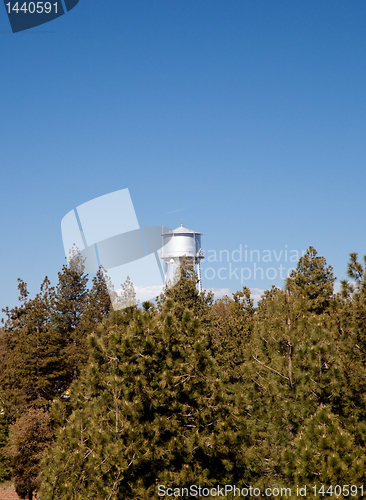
x: 189, y: 255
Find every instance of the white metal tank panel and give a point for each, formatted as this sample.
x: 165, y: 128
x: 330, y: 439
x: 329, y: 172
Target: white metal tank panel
x: 179, y: 245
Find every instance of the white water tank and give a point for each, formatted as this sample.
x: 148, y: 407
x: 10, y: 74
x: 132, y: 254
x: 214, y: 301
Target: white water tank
x: 179, y: 243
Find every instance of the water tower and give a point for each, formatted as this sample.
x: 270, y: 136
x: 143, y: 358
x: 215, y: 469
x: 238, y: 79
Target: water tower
x: 179, y: 243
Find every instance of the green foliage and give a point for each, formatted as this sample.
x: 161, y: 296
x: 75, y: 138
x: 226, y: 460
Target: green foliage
x: 99, y: 302
x: 231, y: 331
x: 185, y: 392
x: 4, y: 431
x: 149, y: 410
x: 295, y: 365
x: 325, y: 453
x: 186, y: 296
x: 43, y: 345
x: 357, y: 271
x: 16, y: 317
x: 31, y: 357
x: 313, y: 280
x: 357, y: 291
x: 29, y: 436
x: 69, y: 311
x: 350, y: 313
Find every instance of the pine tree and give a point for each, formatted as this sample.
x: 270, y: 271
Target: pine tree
x: 69, y: 312
x: 149, y: 410
x: 313, y: 280
x: 16, y: 317
x: 29, y: 436
x: 99, y: 302
x: 43, y: 343
x: 32, y: 367
x: 324, y: 453
x: 351, y: 315
x: 127, y: 297
x: 4, y: 431
x: 71, y: 294
x: 295, y: 364
x: 357, y: 292
x: 232, y: 328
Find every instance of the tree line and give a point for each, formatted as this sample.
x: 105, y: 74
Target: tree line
x: 109, y: 404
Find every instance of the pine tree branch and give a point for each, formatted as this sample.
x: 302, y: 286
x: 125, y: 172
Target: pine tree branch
x: 58, y: 476
x: 256, y: 382
x: 133, y: 458
x: 184, y: 380
x: 115, y: 484
x: 90, y: 451
x: 269, y: 368
x: 359, y: 348
x: 113, y: 358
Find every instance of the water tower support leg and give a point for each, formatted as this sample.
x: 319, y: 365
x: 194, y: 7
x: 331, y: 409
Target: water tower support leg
x: 199, y: 277
x: 165, y: 273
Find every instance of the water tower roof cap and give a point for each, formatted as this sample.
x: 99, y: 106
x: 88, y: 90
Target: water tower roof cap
x: 182, y: 230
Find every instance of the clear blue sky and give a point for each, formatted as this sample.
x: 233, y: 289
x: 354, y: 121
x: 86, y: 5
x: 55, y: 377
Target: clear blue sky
x: 249, y: 115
